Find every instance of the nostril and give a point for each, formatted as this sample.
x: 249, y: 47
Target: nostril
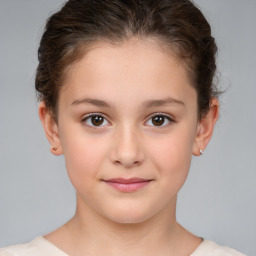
x: 117, y: 162
x: 127, y: 151
x: 127, y: 164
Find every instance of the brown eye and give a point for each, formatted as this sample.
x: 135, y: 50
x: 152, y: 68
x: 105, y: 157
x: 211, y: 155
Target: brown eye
x: 95, y: 120
x: 159, y: 120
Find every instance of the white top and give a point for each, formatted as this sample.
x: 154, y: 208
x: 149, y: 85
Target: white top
x: 42, y: 247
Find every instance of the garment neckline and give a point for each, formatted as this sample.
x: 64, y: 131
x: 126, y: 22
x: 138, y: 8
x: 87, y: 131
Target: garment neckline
x: 57, y: 249
x: 51, y: 245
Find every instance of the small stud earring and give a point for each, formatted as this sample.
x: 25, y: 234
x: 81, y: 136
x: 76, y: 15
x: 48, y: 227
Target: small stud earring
x: 54, y: 148
x: 201, y: 152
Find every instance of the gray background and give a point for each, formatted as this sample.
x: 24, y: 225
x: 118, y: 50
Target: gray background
x: 218, y: 199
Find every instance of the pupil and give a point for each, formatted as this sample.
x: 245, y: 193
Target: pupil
x: 97, y: 120
x: 158, y: 120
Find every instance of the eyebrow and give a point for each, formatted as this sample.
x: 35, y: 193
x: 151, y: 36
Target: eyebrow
x: 95, y: 102
x: 146, y: 104
x: 162, y: 102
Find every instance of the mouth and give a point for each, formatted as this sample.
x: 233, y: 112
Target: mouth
x: 127, y: 185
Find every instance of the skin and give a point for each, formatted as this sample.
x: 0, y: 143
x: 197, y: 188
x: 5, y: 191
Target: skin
x: 129, y: 84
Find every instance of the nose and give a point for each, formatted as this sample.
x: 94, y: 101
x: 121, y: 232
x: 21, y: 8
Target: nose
x: 127, y: 148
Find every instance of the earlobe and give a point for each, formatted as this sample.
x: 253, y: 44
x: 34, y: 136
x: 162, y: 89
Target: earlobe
x: 206, y: 127
x: 51, y: 129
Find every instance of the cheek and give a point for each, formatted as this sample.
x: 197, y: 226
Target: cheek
x: 172, y: 156
x: 83, y: 156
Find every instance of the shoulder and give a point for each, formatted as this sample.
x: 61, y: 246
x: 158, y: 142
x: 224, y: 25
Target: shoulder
x: 37, y: 247
x: 210, y: 248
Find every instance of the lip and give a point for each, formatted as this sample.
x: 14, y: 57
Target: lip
x: 127, y: 185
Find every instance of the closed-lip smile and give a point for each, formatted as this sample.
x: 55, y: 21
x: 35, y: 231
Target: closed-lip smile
x: 127, y: 185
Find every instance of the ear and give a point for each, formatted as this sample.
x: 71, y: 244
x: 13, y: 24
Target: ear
x: 51, y: 129
x: 206, y: 127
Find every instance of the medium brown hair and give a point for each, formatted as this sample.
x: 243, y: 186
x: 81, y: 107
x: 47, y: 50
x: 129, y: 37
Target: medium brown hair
x: 176, y: 24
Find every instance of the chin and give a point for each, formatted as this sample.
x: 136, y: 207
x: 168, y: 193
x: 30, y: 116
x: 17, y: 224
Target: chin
x: 129, y: 220
x: 130, y: 216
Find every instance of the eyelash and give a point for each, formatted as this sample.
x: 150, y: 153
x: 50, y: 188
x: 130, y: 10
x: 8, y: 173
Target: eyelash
x: 166, y: 118
x: 91, y: 115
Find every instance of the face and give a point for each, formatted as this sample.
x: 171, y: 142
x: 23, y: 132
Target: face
x: 127, y: 122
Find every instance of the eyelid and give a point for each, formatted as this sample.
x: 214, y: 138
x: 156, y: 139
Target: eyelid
x: 93, y: 114
x: 161, y: 114
x: 87, y: 116
x: 167, y: 116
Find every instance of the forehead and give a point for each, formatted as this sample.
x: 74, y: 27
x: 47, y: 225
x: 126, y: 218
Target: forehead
x: 135, y: 66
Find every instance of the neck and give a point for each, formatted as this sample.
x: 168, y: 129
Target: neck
x: 93, y: 234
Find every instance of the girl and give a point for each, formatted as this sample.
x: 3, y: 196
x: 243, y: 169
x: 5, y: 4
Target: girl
x: 127, y: 96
